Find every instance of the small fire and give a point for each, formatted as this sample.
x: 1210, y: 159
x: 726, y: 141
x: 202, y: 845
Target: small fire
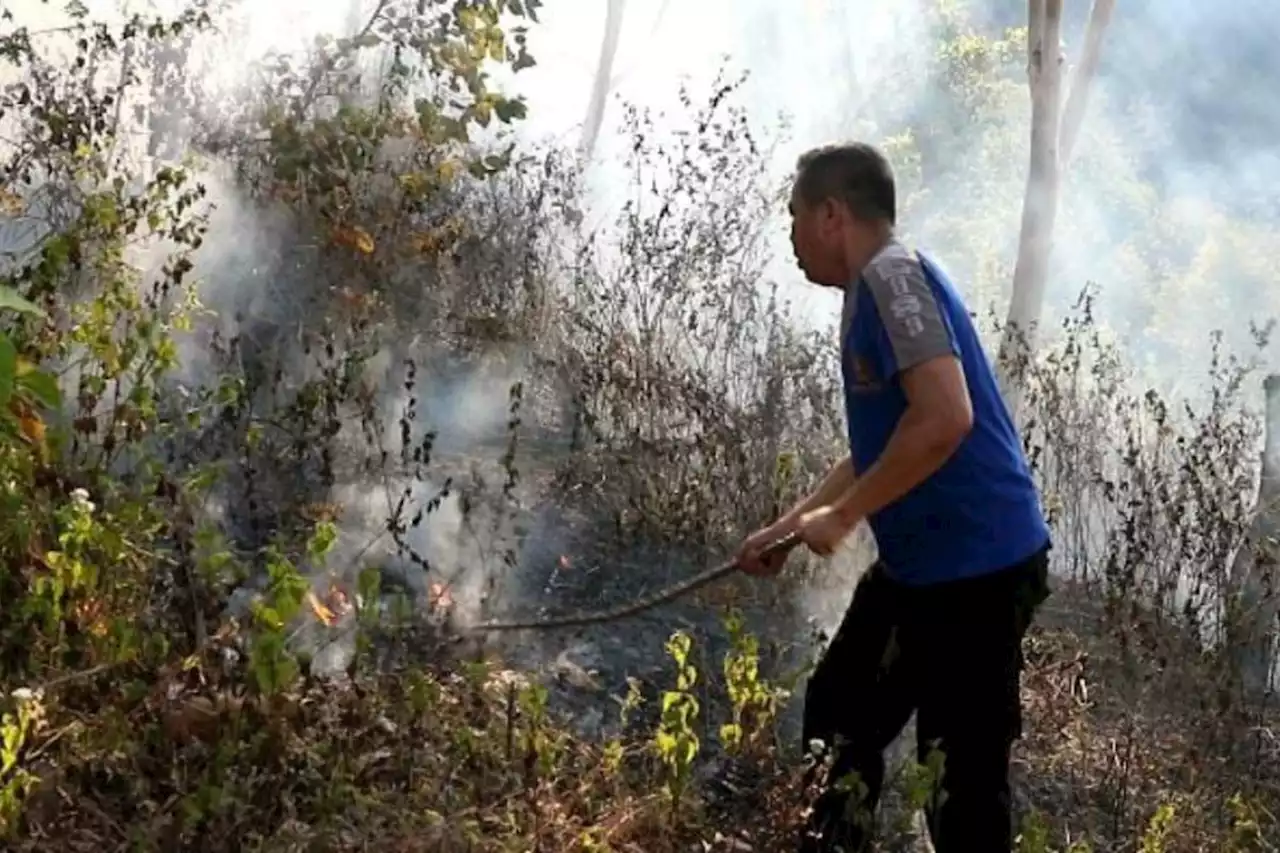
x: 338, y: 598
x: 564, y: 561
x: 322, y: 511
x: 92, y: 613
x: 322, y: 612
x: 438, y: 597
x: 336, y: 603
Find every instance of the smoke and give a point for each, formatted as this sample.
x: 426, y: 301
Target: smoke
x: 1169, y: 174
x: 450, y: 552
x: 1153, y: 205
x: 1166, y: 210
x: 256, y: 274
x: 1163, y: 206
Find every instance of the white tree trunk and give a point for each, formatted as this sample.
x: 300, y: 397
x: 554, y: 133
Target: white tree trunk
x: 1082, y: 79
x: 1054, y: 131
x: 1253, y: 622
x: 622, y: 75
x: 349, y: 96
x: 355, y: 18
x: 604, y: 77
x: 1040, y: 201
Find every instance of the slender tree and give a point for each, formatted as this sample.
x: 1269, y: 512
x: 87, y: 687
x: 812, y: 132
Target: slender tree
x: 1054, y: 131
x: 603, y: 83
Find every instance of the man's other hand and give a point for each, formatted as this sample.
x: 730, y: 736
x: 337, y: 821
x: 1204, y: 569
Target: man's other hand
x: 751, y: 558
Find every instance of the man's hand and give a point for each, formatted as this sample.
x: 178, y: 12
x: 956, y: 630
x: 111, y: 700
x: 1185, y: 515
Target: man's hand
x: 824, y: 528
x: 834, y: 485
x: 750, y: 555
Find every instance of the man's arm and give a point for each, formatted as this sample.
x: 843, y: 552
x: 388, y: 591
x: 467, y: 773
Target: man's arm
x: 837, y: 482
x: 938, y: 417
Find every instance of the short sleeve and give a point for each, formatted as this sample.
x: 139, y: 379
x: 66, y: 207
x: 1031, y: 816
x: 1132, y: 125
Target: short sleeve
x: 914, y: 328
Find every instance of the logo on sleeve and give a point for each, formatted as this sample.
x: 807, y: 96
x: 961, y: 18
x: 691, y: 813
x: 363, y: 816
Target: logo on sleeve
x: 905, y: 305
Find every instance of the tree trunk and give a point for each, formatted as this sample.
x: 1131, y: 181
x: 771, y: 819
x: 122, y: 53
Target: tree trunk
x: 1040, y: 201
x: 622, y: 75
x: 1253, y: 621
x: 1082, y: 78
x: 604, y: 77
x: 349, y: 96
x: 1054, y: 131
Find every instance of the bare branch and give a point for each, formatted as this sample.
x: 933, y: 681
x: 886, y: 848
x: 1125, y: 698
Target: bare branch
x: 331, y: 62
x: 653, y: 34
x: 1082, y: 77
x: 604, y: 75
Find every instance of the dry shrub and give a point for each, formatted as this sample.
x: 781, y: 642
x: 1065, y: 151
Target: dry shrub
x: 1136, y: 699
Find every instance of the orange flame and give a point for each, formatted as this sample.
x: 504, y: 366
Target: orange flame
x: 564, y: 561
x: 323, y: 613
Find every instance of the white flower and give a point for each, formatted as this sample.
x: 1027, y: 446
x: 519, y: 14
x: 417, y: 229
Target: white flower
x: 80, y: 497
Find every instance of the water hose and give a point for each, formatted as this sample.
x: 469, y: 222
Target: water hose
x: 662, y: 596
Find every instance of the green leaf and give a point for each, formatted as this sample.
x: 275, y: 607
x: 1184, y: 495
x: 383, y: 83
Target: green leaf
x: 508, y: 110
x: 43, y: 386
x: 11, y: 300
x: 8, y: 369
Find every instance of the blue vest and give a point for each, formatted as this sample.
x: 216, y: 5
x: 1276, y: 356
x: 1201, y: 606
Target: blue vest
x: 980, y: 512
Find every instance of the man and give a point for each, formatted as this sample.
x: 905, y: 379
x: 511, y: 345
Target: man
x: 937, y: 469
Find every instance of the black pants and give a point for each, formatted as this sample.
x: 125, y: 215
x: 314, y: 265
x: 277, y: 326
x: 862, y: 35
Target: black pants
x: 952, y: 653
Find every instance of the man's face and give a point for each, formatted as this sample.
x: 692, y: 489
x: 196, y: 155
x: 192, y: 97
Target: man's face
x: 816, y: 241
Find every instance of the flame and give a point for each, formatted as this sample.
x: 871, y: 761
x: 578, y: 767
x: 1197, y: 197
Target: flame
x: 321, y: 511
x: 91, y: 614
x: 338, y: 598
x: 354, y: 237
x: 323, y: 613
x: 564, y: 561
x: 335, y: 604
x: 438, y: 597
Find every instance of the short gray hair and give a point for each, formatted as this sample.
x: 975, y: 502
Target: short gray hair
x: 855, y: 174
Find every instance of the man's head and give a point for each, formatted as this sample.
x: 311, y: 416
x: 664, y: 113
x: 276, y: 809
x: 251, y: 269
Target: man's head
x: 843, y: 208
